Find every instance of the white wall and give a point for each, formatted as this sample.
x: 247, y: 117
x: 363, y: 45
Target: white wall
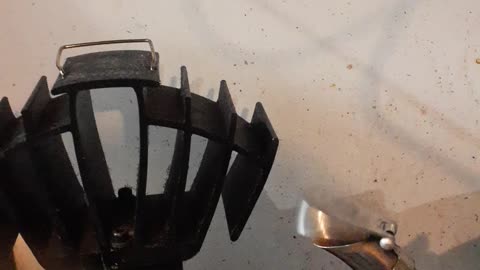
x: 377, y: 98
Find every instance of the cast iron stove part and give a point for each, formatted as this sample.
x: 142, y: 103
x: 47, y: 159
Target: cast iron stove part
x: 73, y: 226
x: 358, y: 238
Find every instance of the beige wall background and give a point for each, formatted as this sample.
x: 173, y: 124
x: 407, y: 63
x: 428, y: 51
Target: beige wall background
x: 369, y: 98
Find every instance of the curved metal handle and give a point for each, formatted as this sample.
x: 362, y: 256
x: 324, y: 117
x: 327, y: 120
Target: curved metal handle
x: 105, y: 42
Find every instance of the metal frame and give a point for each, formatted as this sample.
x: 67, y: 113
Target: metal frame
x: 68, y: 226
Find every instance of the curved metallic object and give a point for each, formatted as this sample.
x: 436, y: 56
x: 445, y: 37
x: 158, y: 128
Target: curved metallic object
x: 69, y: 225
x: 368, y: 246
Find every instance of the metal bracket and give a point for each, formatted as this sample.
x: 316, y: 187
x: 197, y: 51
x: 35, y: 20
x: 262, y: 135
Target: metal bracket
x: 153, y: 65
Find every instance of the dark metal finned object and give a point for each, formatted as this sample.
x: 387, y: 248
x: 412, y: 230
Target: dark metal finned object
x: 88, y: 226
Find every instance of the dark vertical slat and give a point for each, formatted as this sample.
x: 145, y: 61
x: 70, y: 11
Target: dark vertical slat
x: 92, y: 164
x: 184, y: 82
x: 248, y: 174
x: 175, y: 185
x: 55, y: 169
x: 54, y: 165
x: 6, y: 116
x: 142, y: 168
x: 208, y: 182
x: 7, y: 123
x: 24, y: 188
x: 35, y: 105
x: 8, y: 229
x: 8, y: 224
x: 90, y: 156
x: 62, y: 185
x: 227, y: 111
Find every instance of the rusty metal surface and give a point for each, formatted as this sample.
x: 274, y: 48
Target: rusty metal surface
x: 87, y: 227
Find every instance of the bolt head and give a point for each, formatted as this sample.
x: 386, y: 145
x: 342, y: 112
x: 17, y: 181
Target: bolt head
x: 387, y: 243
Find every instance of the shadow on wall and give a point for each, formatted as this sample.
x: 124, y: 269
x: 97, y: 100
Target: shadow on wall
x: 456, y: 220
x: 269, y: 241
